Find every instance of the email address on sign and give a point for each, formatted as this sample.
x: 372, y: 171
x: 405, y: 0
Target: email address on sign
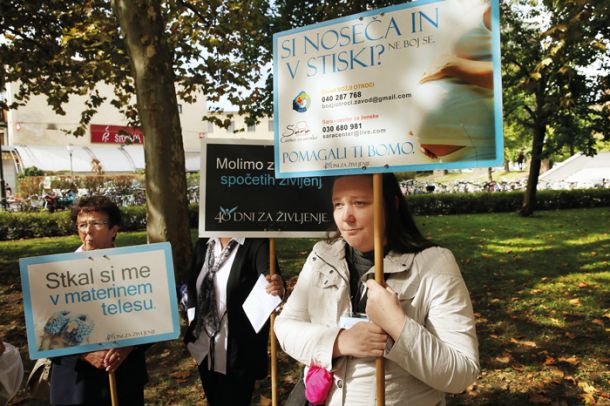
x: 372, y: 99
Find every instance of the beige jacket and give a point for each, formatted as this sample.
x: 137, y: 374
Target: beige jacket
x: 437, y: 350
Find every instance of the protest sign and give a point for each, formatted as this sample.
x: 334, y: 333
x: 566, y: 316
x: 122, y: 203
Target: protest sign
x: 91, y: 300
x: 410, y: 87
x: 240, y: 195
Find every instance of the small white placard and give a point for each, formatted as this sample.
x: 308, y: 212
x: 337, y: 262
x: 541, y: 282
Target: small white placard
x: 348, y: 321
x: 259, y: 304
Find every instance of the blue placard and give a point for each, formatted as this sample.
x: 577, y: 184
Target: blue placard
x: 87, y: 301
x: 410, y: 87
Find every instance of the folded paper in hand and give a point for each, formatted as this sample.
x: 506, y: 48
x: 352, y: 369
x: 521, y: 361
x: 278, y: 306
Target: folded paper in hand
x: 259, y: 304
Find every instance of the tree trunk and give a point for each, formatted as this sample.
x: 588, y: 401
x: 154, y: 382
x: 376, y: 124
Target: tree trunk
x: 167, y: 217
x: 529, y: 199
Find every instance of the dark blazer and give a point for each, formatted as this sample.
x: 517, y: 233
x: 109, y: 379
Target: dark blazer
x: 246, y: 351
x: 76, y: 382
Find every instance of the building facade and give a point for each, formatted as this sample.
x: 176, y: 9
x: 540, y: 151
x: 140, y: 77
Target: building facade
x: 33, y: 135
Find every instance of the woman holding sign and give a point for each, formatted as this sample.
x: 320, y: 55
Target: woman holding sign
x: 229, y: 353
x: 83, y: 379
x: 338, y: 319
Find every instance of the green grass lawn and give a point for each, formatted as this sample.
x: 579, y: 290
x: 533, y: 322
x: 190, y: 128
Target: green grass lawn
x: 540, y: 288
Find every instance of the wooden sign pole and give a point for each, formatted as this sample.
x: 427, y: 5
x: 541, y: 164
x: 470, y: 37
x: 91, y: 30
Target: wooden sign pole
x: 272, y: 271
x: 113, y: 393
x: 378, y: 244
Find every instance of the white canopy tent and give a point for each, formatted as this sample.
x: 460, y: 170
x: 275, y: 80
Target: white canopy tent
x: 580, y: 168
x: 79, y: 159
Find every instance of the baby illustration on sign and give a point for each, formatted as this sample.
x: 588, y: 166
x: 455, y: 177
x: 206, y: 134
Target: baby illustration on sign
x: 457, y: 100
x: 62, y: 330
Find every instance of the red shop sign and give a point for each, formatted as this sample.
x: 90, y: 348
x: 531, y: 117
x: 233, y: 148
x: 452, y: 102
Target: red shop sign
x: 116, y: 134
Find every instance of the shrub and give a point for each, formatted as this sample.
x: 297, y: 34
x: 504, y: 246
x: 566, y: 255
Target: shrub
x: 44, y: 224
x: 33, y: 225
x: 15, y: 226
x: 483, y: 202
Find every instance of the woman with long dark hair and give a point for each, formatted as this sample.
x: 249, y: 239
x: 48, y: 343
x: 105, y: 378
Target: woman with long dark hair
x: 338, y: 319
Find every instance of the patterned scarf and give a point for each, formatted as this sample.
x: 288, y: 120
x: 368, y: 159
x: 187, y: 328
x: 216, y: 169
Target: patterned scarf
x: 208, y: 318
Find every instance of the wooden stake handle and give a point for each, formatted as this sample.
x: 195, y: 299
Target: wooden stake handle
x: 113, y: 392
x: 272, y: 271
x: 378, y: 244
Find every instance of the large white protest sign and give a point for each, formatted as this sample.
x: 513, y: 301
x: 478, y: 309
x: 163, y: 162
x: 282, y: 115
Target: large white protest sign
x: 415, y: 86
x: 86, y: 301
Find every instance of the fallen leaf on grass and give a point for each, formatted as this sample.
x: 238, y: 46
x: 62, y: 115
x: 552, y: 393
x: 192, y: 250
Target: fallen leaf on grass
x: 569, y: 360
x: 472, y: 391
x: 504, y: 359
x: 583, y: 285
x: 549, y: 361
x: 570, y: 335
x: 525, y: 343
x: 288, y: 379
x: 586, y: 387
x: 180, y: 374
x: 588, y: 399
x: 557, y: 373
x: 599, y: 322
x: 575, y: 302
x: 529, y: 344
x: 264, y: 401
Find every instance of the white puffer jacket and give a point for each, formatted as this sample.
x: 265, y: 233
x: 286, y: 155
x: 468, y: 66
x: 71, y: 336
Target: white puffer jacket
x: 437, y: 351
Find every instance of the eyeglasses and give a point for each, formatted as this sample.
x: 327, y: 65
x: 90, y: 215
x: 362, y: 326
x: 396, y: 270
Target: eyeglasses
x: 97, y: 225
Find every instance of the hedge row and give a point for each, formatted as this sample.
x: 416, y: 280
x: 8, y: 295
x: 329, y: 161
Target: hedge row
x: 29, y: 225
x: 484, y: 202
x: 15, y: 226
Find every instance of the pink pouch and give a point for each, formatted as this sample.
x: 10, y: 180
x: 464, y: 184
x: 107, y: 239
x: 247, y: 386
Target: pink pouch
x: 317, y: 385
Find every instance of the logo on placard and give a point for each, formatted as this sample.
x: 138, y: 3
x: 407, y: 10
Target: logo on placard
x: 301, y: 102
x: 227, y: 212
x: 295, y: 130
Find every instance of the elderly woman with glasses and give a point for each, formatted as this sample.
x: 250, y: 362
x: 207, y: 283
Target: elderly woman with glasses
x: 83, y: 379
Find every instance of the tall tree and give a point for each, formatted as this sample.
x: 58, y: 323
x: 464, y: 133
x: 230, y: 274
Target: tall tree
x: 155, y: 49
x: 546, y: 46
